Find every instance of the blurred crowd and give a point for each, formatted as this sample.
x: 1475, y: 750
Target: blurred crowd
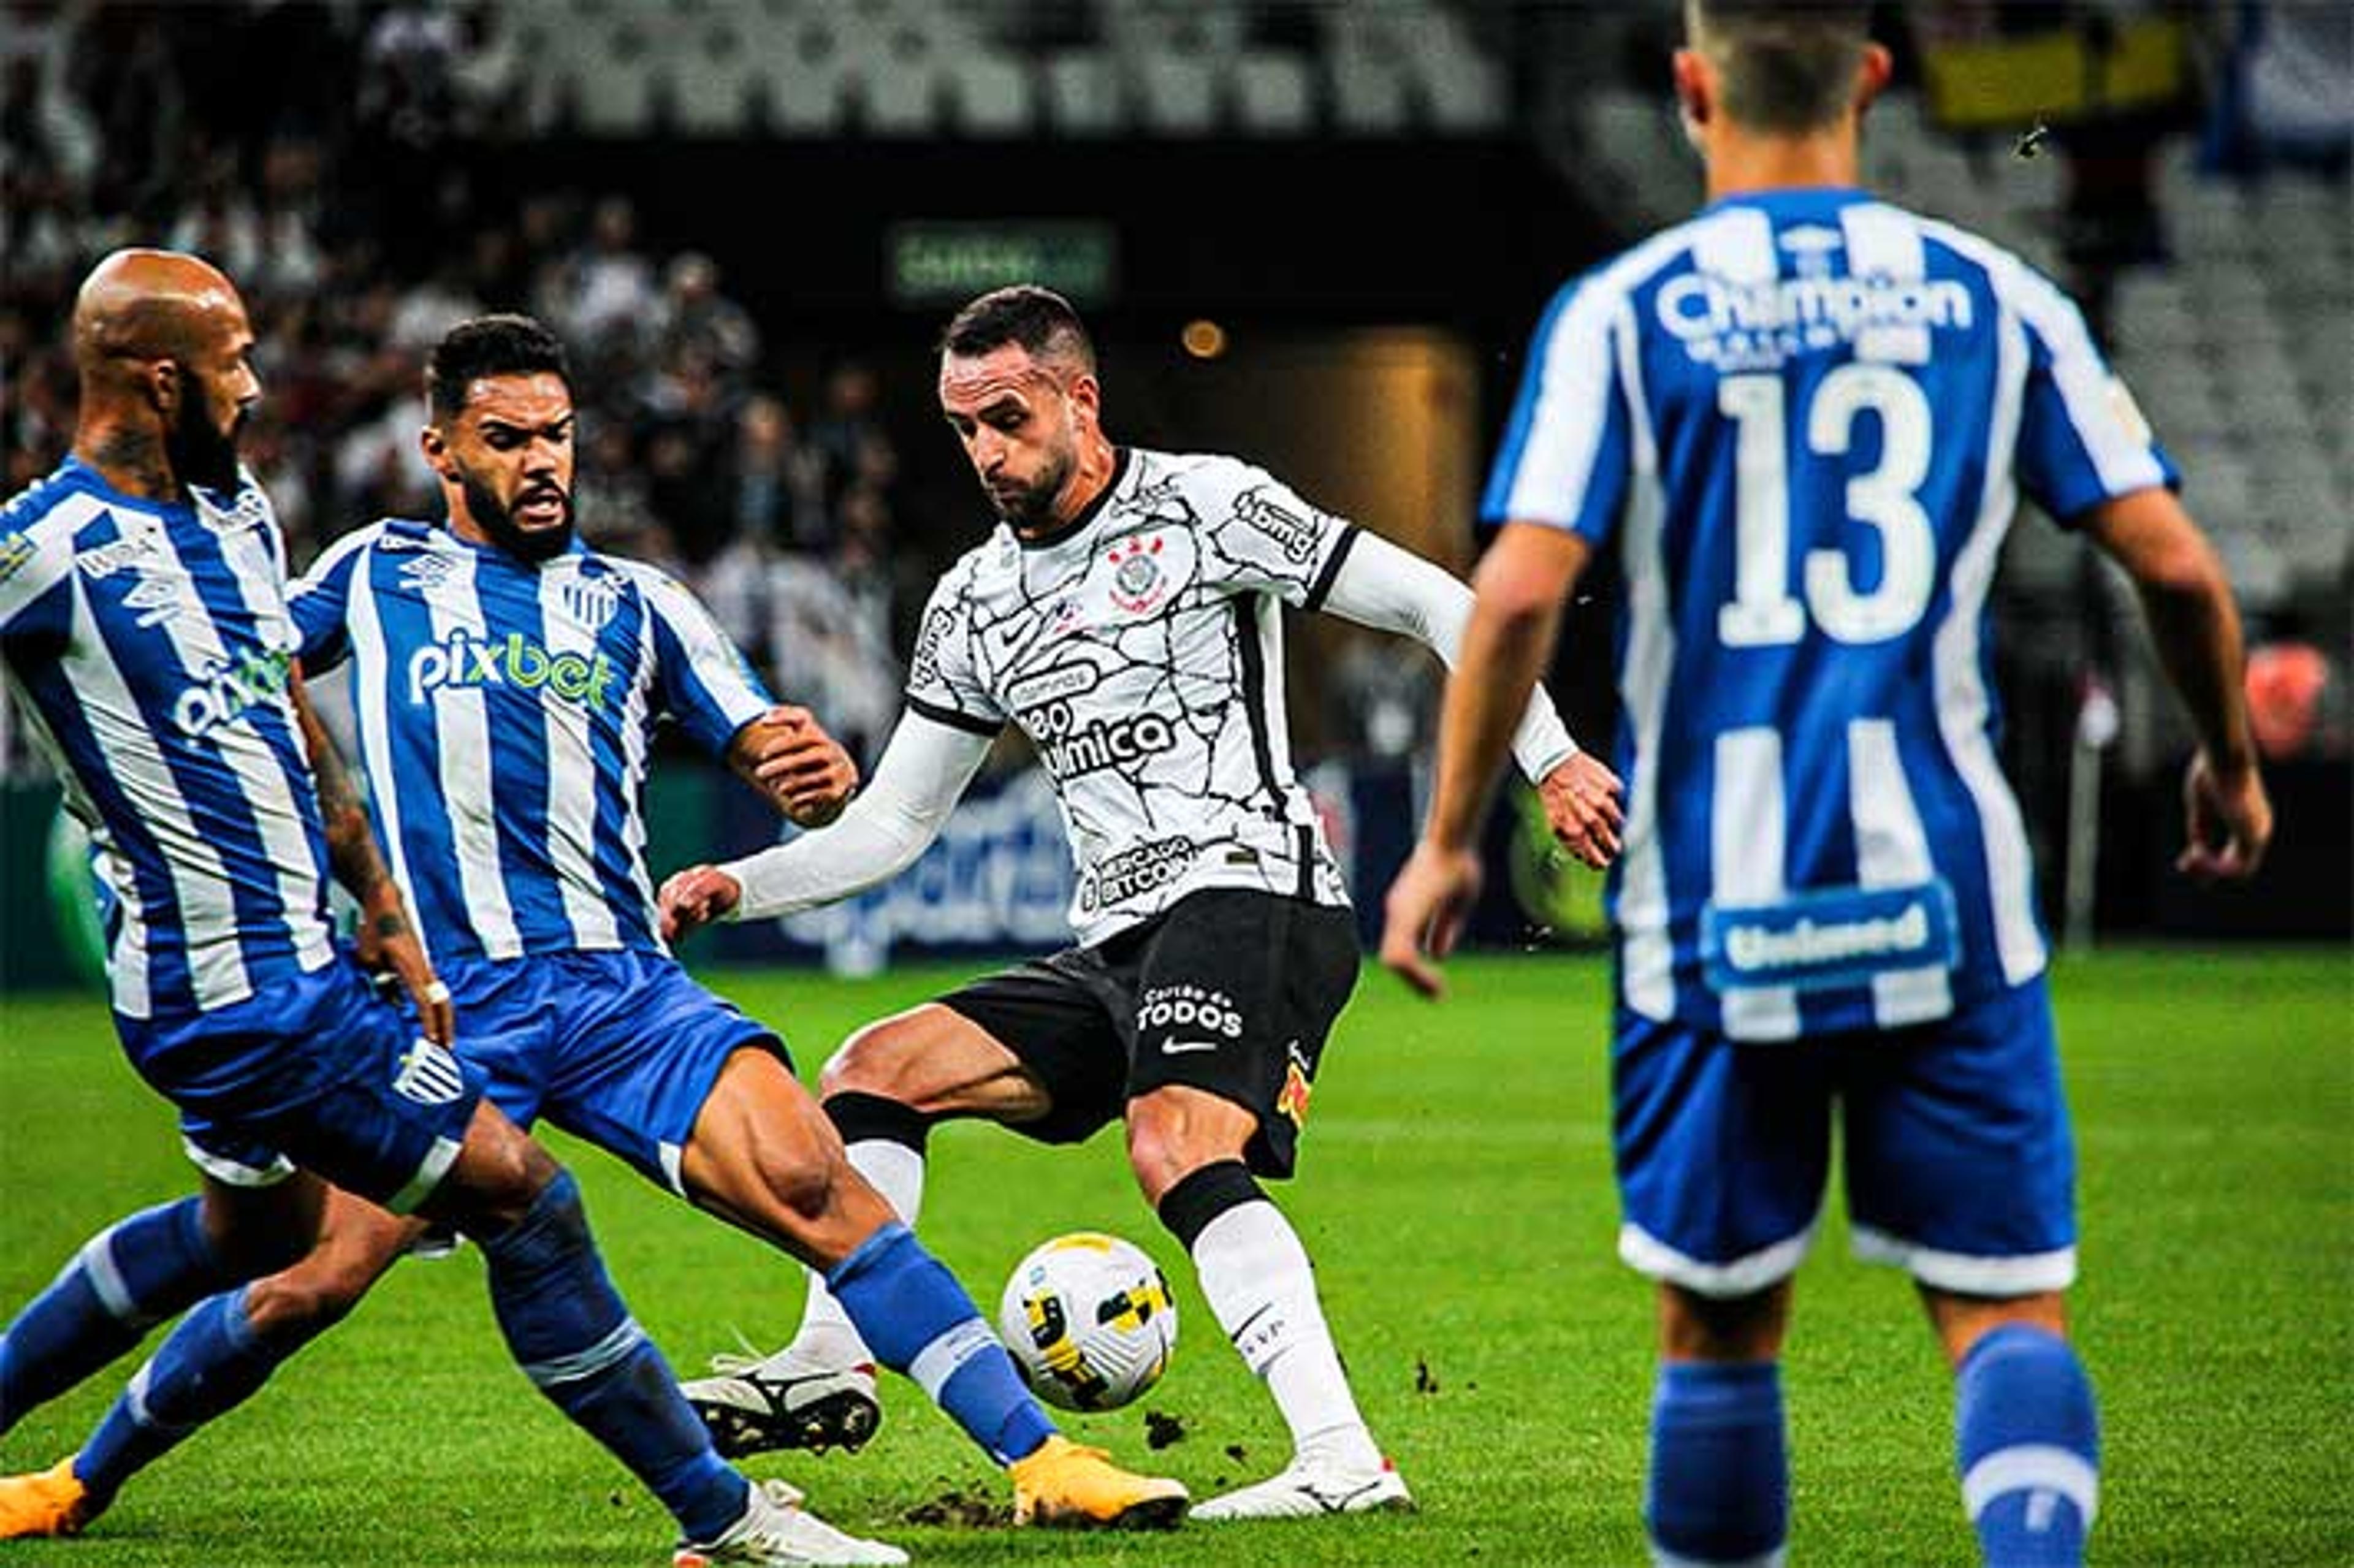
x: 356, y: 246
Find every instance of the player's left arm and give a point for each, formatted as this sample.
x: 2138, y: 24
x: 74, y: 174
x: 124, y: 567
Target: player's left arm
x: 1519, y: 589
x: 1383, y: 585
x: 705, y: 682
x: 386, y: 938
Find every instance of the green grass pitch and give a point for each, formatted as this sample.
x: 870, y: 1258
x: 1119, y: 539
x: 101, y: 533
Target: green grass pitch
x: 1456, y: 1198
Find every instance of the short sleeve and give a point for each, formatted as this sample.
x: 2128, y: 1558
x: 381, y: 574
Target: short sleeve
x: 701, y: 678
x: 943, y: 680
x: 320, y: 601
x: 2082, y: 439
x: 1258, y: 535
x: 34, y: 562
x: 1565, y: 457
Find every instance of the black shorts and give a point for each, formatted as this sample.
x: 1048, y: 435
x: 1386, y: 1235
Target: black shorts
x: 1230, y: 992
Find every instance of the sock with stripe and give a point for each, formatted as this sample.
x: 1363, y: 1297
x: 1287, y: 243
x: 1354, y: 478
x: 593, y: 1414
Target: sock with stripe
x: 1262, y: 1289
x: 885, y: 1141
x: 210, y: 1364
x: 918, y: 1320
x: 2028, y: 1443
x: 1720, y: 1480
x: 123, y: 1281
x: 569, y: 1331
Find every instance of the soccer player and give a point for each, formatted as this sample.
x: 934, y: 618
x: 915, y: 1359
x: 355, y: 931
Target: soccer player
x: 508, y: 681
x: 1801, y: 419
x: 1127, y: 615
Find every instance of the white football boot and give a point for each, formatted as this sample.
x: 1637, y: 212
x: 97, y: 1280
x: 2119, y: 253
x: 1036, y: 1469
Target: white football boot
x: 776, y: 1531
x: 753, y: 1404
x: 1311, y: 1487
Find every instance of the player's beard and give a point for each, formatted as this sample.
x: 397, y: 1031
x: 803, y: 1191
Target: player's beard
x: 1030, y: 505
x: 498, y: 521
x: 200, y: 451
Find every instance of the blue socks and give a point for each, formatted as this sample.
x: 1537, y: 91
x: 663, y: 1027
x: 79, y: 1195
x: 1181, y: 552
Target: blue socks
x: 208, y: 1365
x: 123, y: 1280
x: 575, y: 1340
x: 2028, y: 1445
x: 1720, y: 1482
x: 918, y: 1320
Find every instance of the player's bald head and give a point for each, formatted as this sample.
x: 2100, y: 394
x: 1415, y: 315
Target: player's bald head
x: 153, y: 304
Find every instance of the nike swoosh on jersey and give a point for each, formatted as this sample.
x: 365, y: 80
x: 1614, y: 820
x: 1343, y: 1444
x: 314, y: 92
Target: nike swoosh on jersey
x: 1180, y: 1047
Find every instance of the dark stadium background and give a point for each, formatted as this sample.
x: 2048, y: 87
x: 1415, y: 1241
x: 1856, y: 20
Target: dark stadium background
x: 1315, y: 236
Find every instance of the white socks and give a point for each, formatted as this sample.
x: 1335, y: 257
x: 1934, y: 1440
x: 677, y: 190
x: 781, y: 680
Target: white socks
x: 897, y: 1171
x: 1260, y: 1284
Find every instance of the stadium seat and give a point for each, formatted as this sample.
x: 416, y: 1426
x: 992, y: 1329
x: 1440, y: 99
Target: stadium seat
x: 1273, y: 93
x: 1083, y: 92
x: 989, y: 94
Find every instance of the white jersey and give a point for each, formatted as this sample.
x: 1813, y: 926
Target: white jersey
x: 1141, y: 649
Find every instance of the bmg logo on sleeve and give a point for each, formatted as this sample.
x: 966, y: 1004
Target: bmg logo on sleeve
x: 464, y: 661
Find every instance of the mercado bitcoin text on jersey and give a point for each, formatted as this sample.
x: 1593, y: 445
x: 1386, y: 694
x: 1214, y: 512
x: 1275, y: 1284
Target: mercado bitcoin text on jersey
x: 505, y: 708
x: 1141, y: 650
x: 1802, y: 420
x: 151, y: 642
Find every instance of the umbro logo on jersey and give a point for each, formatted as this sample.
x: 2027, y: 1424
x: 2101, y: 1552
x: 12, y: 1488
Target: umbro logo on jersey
x: 428, y: 1076
x: 419, y: 573
x: 134, y: 550
x: 220, y: 694
x: 464, y: 661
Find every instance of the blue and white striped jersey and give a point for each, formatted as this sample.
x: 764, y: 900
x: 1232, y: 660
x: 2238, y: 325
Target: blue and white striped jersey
x: 151, y: 642
x: 505, y: 711
x: 1802, y: 420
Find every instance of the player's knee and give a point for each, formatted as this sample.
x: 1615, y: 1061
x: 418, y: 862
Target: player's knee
x: 1747, y: 1327
x: 874, y: 1061
x: 1172, y: 1135
x: 306, y: 1301
x: 499, y: 1175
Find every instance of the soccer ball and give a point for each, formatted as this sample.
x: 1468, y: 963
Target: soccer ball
x: 1089, y: 1321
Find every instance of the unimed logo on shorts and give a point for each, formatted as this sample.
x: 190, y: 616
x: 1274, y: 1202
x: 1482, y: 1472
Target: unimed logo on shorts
x: 429, y: 1074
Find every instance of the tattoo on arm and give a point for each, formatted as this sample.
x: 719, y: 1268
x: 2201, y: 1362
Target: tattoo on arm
x: 351, y: 842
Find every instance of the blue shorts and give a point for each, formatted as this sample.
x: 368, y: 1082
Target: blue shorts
x: 619, y: 1048
x: 318, y: 1071
x: 1955, y: 1140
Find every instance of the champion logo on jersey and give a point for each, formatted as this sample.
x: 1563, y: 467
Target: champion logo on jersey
x: 1138, y: 583
x: 463, y: 661
x: 429, y: 1074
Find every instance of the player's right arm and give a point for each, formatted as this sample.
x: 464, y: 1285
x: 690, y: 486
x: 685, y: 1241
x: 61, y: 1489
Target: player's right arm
x: 2195, y: 626
x: 880, y: 833
x: 387, y: 939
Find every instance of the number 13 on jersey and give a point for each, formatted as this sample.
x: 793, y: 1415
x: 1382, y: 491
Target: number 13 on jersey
x: 1765, y: 611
